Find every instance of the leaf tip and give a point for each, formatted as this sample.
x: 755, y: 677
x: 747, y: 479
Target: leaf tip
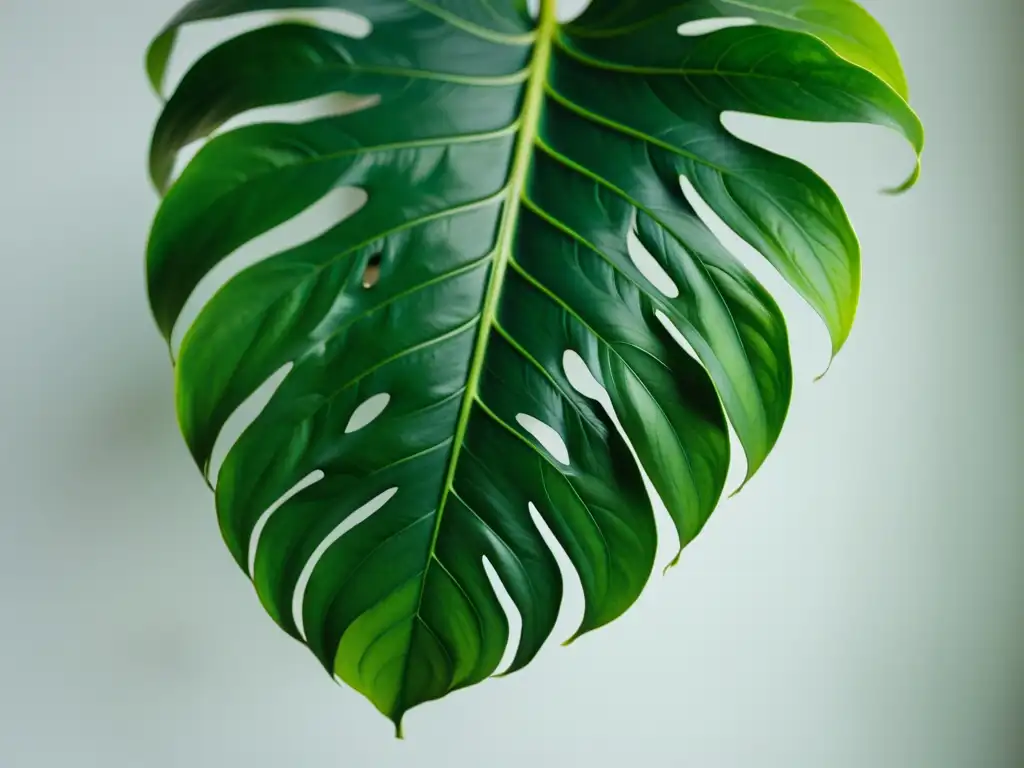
x: 910, y: 182
x: 828, y: 368
x: 160, y: 169
x: 157, y: 58
x: 584, y: 629
x: 751, y: 471
x: 673, y: 563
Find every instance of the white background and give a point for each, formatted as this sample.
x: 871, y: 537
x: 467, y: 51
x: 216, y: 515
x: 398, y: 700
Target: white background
x: 858, y: 605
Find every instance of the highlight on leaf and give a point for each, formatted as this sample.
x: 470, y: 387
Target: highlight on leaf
x: 523, y: 322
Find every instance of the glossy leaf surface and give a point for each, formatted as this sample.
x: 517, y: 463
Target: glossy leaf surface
x: 509, y: 161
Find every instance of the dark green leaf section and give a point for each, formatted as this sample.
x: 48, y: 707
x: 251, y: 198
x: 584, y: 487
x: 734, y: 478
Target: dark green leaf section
x: 293, y: 62
x: 464, y: 26
x: 507, y: 163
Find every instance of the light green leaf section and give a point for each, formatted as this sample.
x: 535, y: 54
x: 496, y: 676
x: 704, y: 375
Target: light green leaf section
x: 850, y: 30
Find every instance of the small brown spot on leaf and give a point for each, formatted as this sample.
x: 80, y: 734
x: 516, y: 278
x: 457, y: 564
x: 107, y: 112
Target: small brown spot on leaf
x: 372, y: 272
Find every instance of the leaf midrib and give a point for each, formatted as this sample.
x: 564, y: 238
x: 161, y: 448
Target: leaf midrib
x: 522, y: 160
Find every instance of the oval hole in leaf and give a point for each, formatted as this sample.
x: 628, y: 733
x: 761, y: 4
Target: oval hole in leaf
x: 371, y: 275
x: 649, y: 266
x: 359, y: 516
x: 546, y: 436
x: 367, y: 412
x: 254, y: 541
x: 707, y: 26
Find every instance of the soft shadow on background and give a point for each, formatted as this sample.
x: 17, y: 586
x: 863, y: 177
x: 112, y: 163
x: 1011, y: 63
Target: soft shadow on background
x: 860, y: 604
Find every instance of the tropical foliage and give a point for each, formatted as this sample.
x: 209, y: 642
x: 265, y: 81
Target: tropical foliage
x: 442, y: 339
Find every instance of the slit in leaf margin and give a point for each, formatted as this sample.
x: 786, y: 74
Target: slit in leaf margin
x: 241, y: 418
x: 582, y: 379
x: 789, y: 299
x: 254, y: 541
x: 572, y: 611
x: 359, y: 516
x: 738, y: 469
x: 325, y: 214
x: 512, y: 615
x: 164, y: 54
x: 326, y: 105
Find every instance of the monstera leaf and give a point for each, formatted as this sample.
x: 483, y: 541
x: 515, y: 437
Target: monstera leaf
x: 513, y: 165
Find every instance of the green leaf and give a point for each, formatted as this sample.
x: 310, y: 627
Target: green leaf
x: 509, y: 163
